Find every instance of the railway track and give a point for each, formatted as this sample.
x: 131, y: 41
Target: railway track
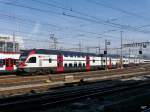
x: 15, y: 80
x: 50, y: 98
x: 29, y: 88
x: 11, y: 76
x: 27, y: 84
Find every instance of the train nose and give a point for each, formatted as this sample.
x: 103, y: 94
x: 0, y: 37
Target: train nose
x: 21, y: 65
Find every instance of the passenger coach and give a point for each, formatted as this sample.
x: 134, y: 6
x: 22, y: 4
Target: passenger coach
x: 55, y: 61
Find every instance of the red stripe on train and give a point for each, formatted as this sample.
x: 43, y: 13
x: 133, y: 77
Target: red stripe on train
x: 87, y: 63
x: 60, y: 67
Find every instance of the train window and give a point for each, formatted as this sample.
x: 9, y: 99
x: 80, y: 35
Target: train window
x: 7, y: 62
x: 23, y: 58
x: 1, y: 63
x: 32, y: 60
x: 70, y: 64
x: 65, y: 55
x: 71, y: 55
x: 80, y: 64
x: 93, y: 60
x: 83, y: 64
x: 14, y: 62
x: 50, y: 60
x: 78, y: 55
x: 65, y: 65
x: 75, y: 64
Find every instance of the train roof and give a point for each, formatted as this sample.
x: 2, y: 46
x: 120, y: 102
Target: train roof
x: 2, y: 52
x: 46, y: 51
x: 67, y: 53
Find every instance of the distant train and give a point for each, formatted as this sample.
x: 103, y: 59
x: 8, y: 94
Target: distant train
x: 8, y: 62
x: 56, y: 61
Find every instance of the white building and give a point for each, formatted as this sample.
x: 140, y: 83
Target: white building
x: 10, y: 43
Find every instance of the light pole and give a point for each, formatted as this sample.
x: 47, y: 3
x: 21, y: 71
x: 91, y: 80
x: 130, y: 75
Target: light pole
x: 105, y: 52
x: 121, y: 56
x: 99, y: 46
x: 141, y: 52
x: 51, y: 38
x: 14, y: 43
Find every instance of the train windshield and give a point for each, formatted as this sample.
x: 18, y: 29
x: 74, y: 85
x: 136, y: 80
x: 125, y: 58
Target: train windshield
x: 23, y: 56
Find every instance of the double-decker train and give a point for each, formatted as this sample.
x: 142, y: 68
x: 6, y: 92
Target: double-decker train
x: 56, y: 61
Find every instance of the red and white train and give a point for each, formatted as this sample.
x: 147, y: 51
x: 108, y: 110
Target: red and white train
x: 8, y: 62
x: 55, y: 61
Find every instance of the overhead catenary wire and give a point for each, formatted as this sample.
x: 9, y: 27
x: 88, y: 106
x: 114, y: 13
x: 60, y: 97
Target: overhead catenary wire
x: 25, y: 34
x: 107, y: 5
x: 93, y: 33
x: 95, y: 2
x: 20, y: 18
x: 126, y: 27
x: 90, y: 21
x: 104, y: 22
x: 6, y: 16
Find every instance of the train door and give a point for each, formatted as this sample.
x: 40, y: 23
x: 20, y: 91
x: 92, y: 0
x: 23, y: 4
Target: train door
x: 60, y: 67
x: 87, y: 63
x: 9, y: 64
x: 1, y: 63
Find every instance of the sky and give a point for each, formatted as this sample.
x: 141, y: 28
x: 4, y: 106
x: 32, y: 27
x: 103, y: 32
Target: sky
x: 74, y: 22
